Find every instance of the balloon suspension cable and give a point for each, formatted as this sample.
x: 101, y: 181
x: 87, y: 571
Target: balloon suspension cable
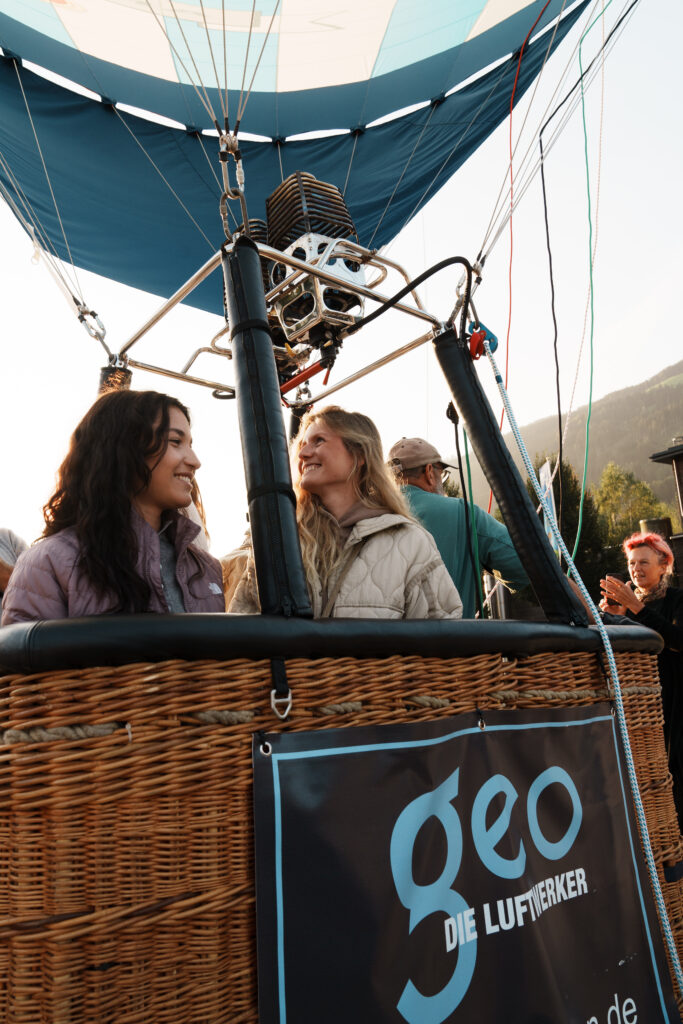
x: 229, y: 147
x: 88, y: 317
x: 614, y: 682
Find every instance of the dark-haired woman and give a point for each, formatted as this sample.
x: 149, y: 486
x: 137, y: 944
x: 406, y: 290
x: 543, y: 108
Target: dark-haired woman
x: 114, y: 540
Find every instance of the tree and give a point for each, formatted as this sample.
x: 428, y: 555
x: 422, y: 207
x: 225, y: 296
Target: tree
x: 590, y: 558
x: 623, y: 500
x: 450, y: 488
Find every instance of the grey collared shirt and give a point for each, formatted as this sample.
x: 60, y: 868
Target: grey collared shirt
x: 172, y: 591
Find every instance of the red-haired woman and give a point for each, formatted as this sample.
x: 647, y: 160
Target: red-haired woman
x: 652, y: 602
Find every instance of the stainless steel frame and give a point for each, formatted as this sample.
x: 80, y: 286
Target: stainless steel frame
x: 337, y: 248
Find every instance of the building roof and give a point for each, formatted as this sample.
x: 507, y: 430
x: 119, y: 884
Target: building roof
x: 669, y: 454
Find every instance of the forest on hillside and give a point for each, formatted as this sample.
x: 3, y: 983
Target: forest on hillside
x: 626, y: 427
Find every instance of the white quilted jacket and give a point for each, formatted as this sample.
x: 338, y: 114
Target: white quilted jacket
x: 396, y: 573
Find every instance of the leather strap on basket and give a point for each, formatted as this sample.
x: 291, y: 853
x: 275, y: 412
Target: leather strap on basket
x: 280, y: 695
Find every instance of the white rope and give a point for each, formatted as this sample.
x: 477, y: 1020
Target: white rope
x: 360, y: 124
x: 35, y: 224
x: 579, y: 360
x: 243, y: 106
x: 502, y: 197
x: 204, y: 100
x: 616, y: 684
x: 460, y: 139
x: 39, y: 243
x: 570, y: 410
x: 225, y: 64
x: 528, y: 173
x: 208, y: 104
x: 215, y: 69
x: 509, y: 169
x: 47, y: 178
x: 164, y: 179
x: 279, y: 156
x: 385, y: 249
x: 501, y: 202
x: 348, y: 171
x: 211, y: 166
x: 246, y: 58
x: 402, y: 175
x: 477, y: 113
x: 595, y: 246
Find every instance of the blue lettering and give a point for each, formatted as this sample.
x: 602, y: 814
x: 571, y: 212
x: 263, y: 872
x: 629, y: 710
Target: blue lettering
x: 486, y: 839
x: 437, y: 897
x: 553, y: 851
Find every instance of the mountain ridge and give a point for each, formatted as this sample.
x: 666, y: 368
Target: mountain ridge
x: 627, y: 426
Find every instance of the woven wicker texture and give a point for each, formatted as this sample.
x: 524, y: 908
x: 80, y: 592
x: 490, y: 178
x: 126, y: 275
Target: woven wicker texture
x: 126, y: 865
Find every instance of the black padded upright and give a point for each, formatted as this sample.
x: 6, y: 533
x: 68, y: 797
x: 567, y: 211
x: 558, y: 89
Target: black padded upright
x: 556, y: 597
x: 275, y: 539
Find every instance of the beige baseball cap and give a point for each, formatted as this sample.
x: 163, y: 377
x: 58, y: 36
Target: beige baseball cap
x: 411, y: 452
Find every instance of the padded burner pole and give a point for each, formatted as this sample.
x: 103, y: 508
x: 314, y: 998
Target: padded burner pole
x: 275, y: 539
x: 555, y: 596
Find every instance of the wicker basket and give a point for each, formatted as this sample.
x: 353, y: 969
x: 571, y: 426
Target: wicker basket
x: 126, y: 864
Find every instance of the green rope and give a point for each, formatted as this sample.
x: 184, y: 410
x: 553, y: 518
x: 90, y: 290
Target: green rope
x: 475, y: 541
x: 590, y: 273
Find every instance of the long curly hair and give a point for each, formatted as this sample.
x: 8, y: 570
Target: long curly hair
x: 107, y: 464
x: 373, y: 482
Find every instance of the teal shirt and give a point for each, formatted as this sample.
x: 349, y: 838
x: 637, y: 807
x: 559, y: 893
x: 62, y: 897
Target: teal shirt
x: 444, y: 518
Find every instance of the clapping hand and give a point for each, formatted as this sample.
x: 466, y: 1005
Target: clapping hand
x: 618, y: 597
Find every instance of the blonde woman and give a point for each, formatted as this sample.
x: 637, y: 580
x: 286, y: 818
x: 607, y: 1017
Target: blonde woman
x: 363, y: 553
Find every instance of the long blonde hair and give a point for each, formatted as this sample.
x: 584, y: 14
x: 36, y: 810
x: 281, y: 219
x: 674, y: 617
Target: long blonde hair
x: 373, y: 482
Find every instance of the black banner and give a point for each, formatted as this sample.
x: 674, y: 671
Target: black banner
x: 460, y: 870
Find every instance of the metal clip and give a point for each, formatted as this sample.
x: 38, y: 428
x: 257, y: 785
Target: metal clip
x: 275, y: 701
x: 98, y: 332
x: 229, y: 146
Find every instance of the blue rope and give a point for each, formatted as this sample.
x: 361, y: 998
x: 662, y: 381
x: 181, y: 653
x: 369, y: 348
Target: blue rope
x: 618, y: 699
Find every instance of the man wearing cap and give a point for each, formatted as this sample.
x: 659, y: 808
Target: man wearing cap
x: 421, y: 471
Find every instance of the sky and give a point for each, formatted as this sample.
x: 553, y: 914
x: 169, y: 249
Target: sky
x: 50, y: 366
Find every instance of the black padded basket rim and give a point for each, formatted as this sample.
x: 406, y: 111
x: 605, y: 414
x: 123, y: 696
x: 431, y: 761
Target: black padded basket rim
x: 126, y: 639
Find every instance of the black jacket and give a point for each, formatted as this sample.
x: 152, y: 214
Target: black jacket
x: 665, y: 615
